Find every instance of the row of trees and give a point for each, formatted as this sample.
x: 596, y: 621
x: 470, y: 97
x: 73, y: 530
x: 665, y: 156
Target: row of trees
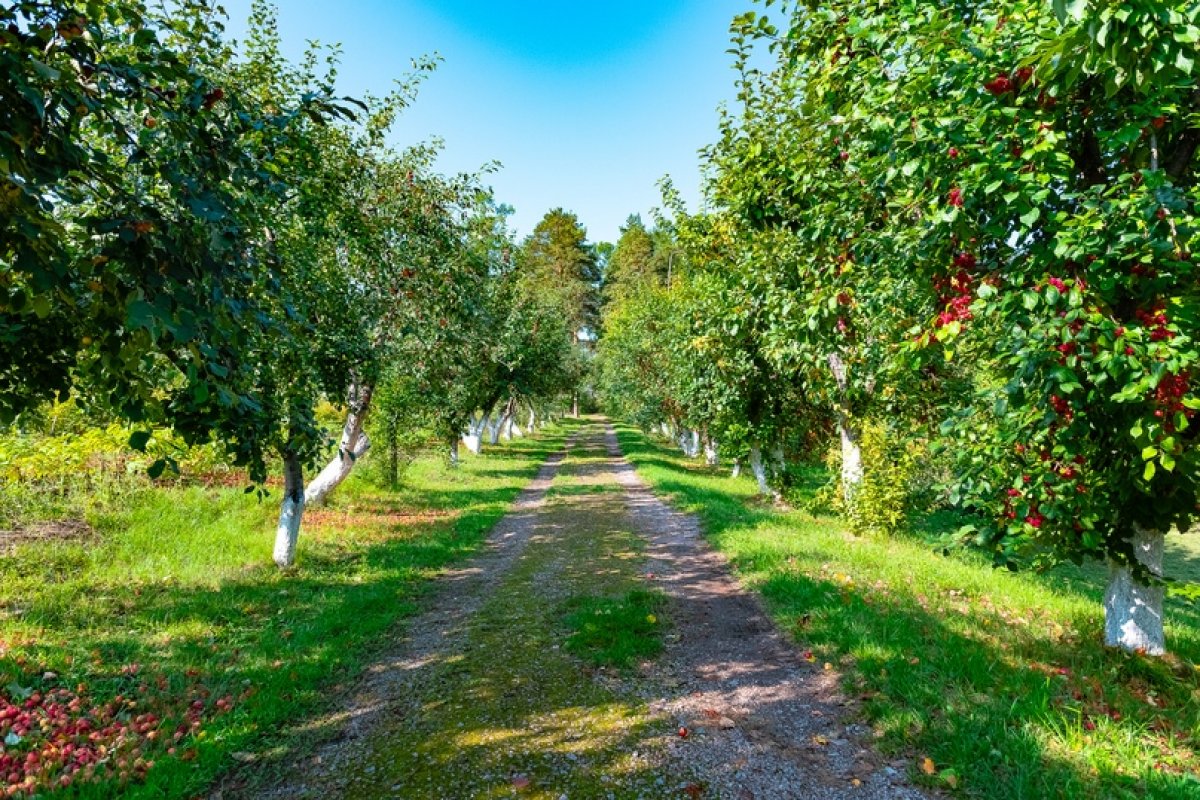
x: 214, y: 242
x: 971, y: 223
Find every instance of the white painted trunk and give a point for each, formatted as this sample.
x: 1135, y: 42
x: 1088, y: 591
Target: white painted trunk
x: 759, y: 469
x: 710, y: 452
x: 351, y: 447
x: 287, y: 532
x: 666, y: 430
x: 454, y: 453
x: 532, y: 426
x: 1133, y: 611
x: 501, y: 424
x: 737, y: 468
x: 474, y: 443
x: 852, y: 463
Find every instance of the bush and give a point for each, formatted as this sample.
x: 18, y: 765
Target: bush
x: 891, y: 487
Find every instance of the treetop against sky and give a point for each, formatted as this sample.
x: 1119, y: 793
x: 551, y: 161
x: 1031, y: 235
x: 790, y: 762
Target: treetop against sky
x: 585, y: 104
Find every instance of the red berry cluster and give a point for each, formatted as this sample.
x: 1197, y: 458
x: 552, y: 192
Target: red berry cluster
x: 1062, y: 407
x: 955, y: 198
x: 955, y: 294
x: 1004, y: 83
x: 1168, y: 397
x: 1156, y: 320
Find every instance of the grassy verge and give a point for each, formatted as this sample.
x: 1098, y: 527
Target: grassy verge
x: 167, y: 647
x: 999, y: 680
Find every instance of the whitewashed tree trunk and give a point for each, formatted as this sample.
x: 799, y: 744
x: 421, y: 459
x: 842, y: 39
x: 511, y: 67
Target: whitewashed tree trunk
x: 351, y: 447
x: 498, y: 428
x: 575, y: 405
x: 710, y: 452
x: 759, y: 469
x: 474, y: 442
x: 532, y: 426
x: 852, y: 463
x: 291, y: 511
x: 454, y: 453
x: 1133, y: 611
x: 737, y: 468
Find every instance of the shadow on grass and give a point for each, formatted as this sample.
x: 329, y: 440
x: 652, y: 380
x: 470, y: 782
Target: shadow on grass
x: 1000, y: 679
x: 279, y: 643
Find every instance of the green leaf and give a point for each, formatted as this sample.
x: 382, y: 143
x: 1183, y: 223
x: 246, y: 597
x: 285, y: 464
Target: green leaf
x: 138, y: 440
x: 1148, y: 473
x: 1031, y: 216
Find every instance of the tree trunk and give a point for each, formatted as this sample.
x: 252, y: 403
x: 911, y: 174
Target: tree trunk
x: 575, y: 405
x: 494, y: 431
x: 351, y: 447
x: 852, y: 464
x: 532, y: 426
x: 454, y: 453
x: 737, y: 469
x: 666, y: 430
x: 759, y: 469
x: 1133, y: 611
x: 291, y: 511
x: 710, y: 452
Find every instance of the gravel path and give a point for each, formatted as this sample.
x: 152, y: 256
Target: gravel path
x: 764, y: 722
x: 729, y: 710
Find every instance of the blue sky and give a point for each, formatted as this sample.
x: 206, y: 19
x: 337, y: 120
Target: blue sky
x: 586, y: 103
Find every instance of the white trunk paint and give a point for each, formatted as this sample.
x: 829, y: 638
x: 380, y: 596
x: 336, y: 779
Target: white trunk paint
x: 351, y: 447
x: 532, y: 426
x: 1133, y: 611
x: 710, y: 452
x: 666, y: 430
x: 737, y: 468
x: 474, y: 443
x: 759, y: 469
x: 778, y: 462
x: 454, y: 453
x: 496, y: 429
x: 852, y: 464
x: 291, y: 511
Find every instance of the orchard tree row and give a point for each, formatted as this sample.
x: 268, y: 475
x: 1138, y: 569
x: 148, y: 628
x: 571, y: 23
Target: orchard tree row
x: 960, y: 229
x: 211, y: 240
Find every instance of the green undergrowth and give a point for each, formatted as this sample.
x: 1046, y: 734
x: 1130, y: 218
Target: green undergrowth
x: 505, y: 708
x: 616, y: 631
x: 999, y: 679
x: 173, y: 604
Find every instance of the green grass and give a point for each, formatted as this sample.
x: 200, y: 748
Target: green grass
x: 504, y: 699
x: 616, y: 631
x: 175, y: 602
x: 1000, y: 679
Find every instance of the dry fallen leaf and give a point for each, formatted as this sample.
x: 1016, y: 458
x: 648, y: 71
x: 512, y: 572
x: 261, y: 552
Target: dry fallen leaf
x: 928, y: 767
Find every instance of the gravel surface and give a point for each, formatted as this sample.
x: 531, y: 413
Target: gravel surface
x: 763, y: 722
x: 729, y: 710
